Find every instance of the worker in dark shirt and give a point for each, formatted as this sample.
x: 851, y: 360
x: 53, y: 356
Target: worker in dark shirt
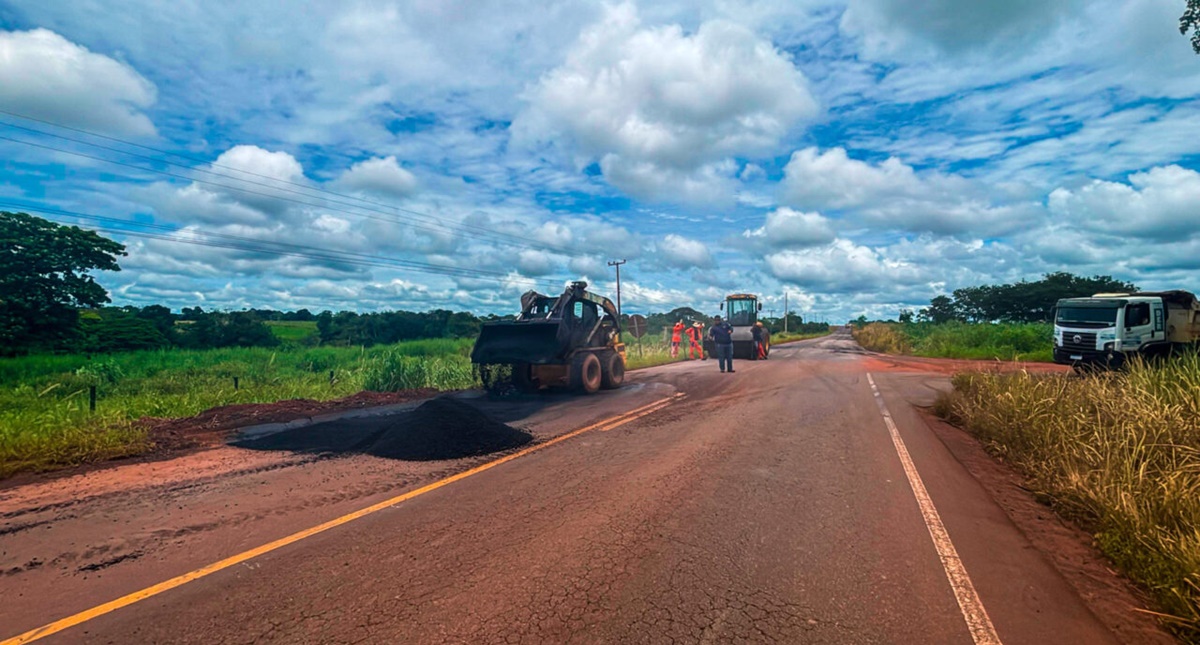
x: 760, y: 343
x: 721, y: 333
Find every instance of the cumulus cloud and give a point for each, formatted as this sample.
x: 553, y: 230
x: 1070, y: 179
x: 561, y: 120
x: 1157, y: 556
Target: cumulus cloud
x: 889, y: 26
x: 785, y: 227
x: 892, y: 194
x: 1159, y: 204
x: 383, y: 176
x: 684, y: 253
x: 52, y: 78
x: 640, y: 98
x: 534, y: 263
x: 712, y: 184
x: 839, y: 267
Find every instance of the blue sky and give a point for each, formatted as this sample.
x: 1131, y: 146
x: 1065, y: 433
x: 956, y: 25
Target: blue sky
x: 862, y: 157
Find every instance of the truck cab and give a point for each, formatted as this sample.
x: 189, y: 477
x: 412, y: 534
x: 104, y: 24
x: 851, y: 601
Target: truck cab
x: 1107, y: 328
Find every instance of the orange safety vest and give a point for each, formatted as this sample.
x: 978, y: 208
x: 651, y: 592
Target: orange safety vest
x: 675, y: 331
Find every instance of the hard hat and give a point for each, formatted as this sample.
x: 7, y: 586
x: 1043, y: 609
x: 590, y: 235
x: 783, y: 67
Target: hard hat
x: 758, y: 324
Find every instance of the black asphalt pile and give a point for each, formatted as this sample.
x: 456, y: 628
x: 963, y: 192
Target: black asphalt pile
x: 445, y: 428
x: 442, y: 428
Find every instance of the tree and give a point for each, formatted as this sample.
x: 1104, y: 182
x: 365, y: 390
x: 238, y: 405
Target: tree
x: 1190, y: 21
x: 44, y: 279
x: 941, y: 309
x: 906, y: 316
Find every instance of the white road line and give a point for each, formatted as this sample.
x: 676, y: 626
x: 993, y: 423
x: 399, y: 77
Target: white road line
x: 982, y: 630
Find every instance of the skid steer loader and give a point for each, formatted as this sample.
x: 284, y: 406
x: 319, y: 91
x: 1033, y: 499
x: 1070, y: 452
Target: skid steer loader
x: 571, y: 340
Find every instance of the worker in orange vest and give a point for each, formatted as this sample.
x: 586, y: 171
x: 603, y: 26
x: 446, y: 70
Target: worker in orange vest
x: 695, y: 333
x: 676, y: 338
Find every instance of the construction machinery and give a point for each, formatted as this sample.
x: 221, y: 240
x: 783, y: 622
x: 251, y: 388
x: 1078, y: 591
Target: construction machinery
x: 741, y: 311
x: 1107, y: 328
x: 571, y: 340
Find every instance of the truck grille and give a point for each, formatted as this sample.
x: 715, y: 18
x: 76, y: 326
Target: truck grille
x: 1086, y: 342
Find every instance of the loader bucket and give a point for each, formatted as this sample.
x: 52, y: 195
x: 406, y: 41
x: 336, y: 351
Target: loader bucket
x: 518, y: 342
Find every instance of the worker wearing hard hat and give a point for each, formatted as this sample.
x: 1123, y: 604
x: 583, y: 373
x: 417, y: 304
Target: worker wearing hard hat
x: 760, y: 340
x: 695, y: 333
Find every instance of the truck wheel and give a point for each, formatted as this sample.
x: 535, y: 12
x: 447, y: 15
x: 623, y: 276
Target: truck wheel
x: 585, y: 372
x: 613, y: 374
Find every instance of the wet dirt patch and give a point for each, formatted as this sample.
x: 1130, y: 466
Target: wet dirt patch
x: 441, y: 428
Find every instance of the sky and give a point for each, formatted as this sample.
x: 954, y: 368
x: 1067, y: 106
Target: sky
x: 859, y: 157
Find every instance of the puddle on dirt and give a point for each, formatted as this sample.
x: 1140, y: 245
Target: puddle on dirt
x: 441, y: 428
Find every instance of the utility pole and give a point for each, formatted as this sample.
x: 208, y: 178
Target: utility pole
x: 785, y: 312
x: 618, y: 263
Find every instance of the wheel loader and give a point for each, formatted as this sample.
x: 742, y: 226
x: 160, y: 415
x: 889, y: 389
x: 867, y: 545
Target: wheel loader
x: 571, y: 340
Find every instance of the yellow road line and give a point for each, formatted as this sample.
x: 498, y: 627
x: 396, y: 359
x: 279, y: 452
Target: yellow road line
x: 167, y: 585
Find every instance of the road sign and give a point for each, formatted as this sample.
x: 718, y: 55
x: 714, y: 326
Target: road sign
x: 637, y: 325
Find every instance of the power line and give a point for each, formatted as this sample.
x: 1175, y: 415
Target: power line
x: 241, y: 243
x: 427, y: 228
x: 468, y: 230
x: 231, y: 168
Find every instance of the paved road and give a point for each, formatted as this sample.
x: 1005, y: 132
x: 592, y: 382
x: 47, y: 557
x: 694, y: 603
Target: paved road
x: 769, y: 505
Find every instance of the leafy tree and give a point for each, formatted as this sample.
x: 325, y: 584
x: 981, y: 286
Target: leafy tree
x: 119, y: 334
x: 906, y: 316
x: 44, y: 279
x: 159, y: 316
x: 941, y: 309
x: 1190, y: 21
x: 238, y: 329
x: 1027, y: 301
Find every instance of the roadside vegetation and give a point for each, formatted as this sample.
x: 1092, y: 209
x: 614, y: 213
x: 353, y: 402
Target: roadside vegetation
x: 980, y: 341
x: 45, y: 419
x: 1119, y: 453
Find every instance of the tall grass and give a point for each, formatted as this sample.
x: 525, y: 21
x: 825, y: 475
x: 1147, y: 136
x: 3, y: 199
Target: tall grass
x: 44, y: 416
x: 399, y: 371
x: 984, y: 341
x: 1118, y: 452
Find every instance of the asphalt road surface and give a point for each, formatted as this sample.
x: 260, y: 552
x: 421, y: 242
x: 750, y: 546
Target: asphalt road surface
x: 767, y: 505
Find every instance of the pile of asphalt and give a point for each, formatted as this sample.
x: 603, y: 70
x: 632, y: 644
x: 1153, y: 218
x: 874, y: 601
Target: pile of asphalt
x: 442, y: 428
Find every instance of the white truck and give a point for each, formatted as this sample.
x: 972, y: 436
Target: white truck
x: 1108, y: 328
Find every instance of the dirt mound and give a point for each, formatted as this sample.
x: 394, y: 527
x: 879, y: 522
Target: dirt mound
x: 209, y: 427
x: 445, y: 428
x: 442, y: 428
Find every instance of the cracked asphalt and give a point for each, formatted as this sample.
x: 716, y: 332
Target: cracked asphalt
x: 767, y: 505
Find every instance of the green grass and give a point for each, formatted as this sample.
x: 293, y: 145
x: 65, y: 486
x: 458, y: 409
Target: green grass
x: 1117, y: 452
x: 293, y: 331
x: 45, y: 421
x: 980, y: 341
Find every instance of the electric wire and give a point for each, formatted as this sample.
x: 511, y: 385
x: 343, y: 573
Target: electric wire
x: 462, y: 227
x: 252, y: 245
x: 430, y: 229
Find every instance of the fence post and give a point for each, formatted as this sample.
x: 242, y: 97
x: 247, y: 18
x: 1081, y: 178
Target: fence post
x: 235, y: 383
x: 92, y: 398
x: 331, y: 377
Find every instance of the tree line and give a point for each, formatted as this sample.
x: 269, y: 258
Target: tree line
x: 1019, y: 302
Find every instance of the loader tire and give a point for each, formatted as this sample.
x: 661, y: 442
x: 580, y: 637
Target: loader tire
x: 585, y: 372
x: 613, y: 373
